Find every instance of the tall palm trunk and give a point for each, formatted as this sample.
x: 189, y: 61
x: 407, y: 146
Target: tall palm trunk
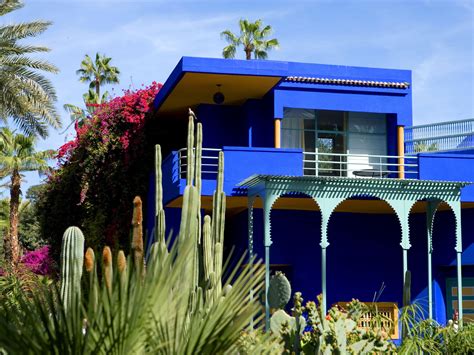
x: 248, y: 51
x: 97, y: 87
x: 12, y: 246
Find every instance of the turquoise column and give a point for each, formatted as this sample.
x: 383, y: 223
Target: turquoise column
x: 250, y: 202
x: 430, y: 214
x: 268, y: 200
x: 402, y: 210
x: 456, y: 207
x: 327, y: 206
x: 459, y: 273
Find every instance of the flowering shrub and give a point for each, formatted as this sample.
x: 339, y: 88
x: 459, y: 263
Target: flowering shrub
x: 100, y: 171
x: 38, y: 261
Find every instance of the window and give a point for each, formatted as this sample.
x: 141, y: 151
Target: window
x: 327, y: 136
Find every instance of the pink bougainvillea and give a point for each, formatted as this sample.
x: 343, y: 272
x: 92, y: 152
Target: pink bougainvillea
x: 38, y: 261
x: 112, y: 126
x: 101, y: 170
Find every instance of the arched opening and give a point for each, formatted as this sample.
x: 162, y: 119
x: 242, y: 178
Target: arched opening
x: 364, y: 257
x: 444, y: 264
x: 443, y: 258
x: 296, y: 234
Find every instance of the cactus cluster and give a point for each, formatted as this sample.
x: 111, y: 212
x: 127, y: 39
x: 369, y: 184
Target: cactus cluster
x: 279, y: 294
x: 204, y: 241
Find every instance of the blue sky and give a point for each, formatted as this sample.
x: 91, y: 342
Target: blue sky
x: 433, y: 38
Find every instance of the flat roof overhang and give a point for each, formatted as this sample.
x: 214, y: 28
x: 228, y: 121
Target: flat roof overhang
x: 194, y: 81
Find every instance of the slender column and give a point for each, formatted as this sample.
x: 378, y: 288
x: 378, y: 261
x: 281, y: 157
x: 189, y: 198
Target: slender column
x: 401, y: 152
x: 326, y: 210
x: 456, y: 207
x: 430, y: 213
x: 459, y: 272
x: 267, y: 205
x: 323, y: 280
x: 250, y: 202
x: 405, y: 263
x: 277, y: 132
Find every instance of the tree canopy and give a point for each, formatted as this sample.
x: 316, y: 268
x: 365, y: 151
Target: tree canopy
x: 26, y: 94
x: 253, y: 39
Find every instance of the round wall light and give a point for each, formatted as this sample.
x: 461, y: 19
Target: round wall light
x: 218, y: 97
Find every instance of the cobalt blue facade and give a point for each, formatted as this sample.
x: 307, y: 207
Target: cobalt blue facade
x: 364, y: 251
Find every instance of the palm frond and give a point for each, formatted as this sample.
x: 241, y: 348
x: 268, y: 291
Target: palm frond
x: 23, y: 30
x: 7, y: 6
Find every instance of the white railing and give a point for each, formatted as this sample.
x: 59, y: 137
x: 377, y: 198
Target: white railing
x: 209, y: 162
x: 357, y: 165
x: 443, y: 136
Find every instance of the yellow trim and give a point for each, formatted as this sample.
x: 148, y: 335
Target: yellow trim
x: 401, y: 151
x: 237, y: 204
x: 277, y: 132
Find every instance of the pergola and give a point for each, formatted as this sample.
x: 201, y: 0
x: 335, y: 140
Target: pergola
x: 330, y: 192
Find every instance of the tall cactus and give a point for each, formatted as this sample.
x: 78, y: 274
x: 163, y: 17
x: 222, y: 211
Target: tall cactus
x: 137, y: 234
x: 72, y: 260
x: 218, y: 222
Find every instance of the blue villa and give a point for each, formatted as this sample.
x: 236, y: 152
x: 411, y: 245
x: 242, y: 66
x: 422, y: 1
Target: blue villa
x: 327, y: 178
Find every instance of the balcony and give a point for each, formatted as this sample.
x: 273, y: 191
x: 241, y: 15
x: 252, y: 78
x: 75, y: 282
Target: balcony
x: 358, y: 165
x: 242, y: 162
x: 440, y: 137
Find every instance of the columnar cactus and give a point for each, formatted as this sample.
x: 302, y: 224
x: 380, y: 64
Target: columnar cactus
x: 72, y: 259
x: 137, y: 234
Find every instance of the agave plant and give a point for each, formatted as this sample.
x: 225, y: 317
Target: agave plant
x: 158, y: 312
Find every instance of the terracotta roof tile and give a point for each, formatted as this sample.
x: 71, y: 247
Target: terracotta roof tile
x: 348, y: 82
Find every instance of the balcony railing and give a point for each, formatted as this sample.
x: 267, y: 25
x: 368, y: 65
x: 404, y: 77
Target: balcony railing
x: 320, y: 164
x: 358, y: 165
x: 210, y: 157
x: 444, y: 136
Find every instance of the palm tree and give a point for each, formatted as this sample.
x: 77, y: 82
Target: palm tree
x: 91, y: 101
x: 26, y: 95
x: 98, y: 72
x: 252, y: 37
x: 17, y: 154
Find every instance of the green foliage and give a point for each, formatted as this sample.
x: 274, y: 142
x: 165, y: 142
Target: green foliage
x: 29, y: 229
x: 17, y: 154
x: 427, y: 336
x: 420, y: 147
x: 257, y: 342
x: 95, y: 73
x: 164, y: 308
x: 334, y: 333
x: 253, y: 39
x: 101, y: 170
x: 26, y: 94
x: 459, y: 341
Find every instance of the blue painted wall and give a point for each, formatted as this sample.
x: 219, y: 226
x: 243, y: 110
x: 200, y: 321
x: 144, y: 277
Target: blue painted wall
x: 448, y: 167
x: 223, y: 125
x: 355, y: 101
x: 364, y: 251
x: 242, y: 162
x: 260, y: 120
